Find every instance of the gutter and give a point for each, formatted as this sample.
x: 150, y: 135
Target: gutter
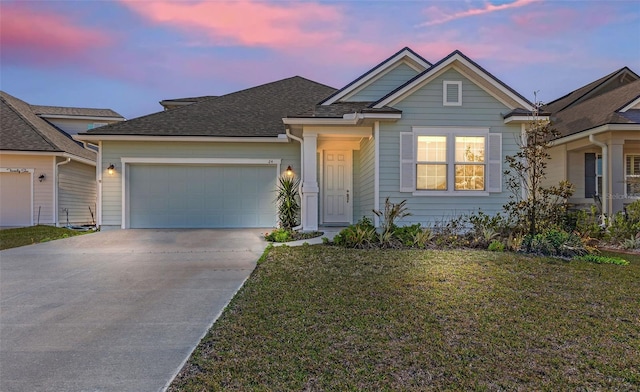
x: 605, y: 175
x: 299, y: 140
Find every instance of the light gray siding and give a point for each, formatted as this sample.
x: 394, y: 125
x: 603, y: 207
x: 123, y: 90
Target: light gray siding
x: 112, y: 152
x: 385, y: 84
x: 425, y: 108
x: 365, y: 179
x: 76, y: 193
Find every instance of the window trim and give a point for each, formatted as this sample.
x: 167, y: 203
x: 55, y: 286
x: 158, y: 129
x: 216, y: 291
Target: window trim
x: 445, y: 85
x: 626, y: 176
x: 450, y: 133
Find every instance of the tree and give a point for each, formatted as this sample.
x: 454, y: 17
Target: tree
x: 533, y: 206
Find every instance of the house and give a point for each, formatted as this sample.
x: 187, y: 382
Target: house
x: 598, y: 148
x: 169, y: 104
x: 45, y: 176
x: 435, y: 134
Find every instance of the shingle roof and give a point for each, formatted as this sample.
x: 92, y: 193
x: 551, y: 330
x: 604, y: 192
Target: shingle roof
x: 339, y: 109
x: 254, y: 112
x: 69, y: 111
x: 189, y: 99
x: 22, y: 130
x: 581, y: 93
x: 599, y: 110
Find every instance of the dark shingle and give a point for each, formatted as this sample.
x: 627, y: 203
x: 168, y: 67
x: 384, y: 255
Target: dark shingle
x: 339, y: 109
x: 69, y: 111
x: 254, y: 112
x: 22, y: 130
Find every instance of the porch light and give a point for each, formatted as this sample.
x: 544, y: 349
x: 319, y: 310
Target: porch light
x: 289, y: 171
x: 42, y: 177
x: 111, y: 169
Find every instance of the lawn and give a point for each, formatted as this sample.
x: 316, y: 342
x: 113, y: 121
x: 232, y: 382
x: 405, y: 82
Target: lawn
x: 13, y: 238
x: 323, y: 318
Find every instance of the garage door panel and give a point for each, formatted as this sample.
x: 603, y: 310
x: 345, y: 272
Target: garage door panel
x: 181, y: 196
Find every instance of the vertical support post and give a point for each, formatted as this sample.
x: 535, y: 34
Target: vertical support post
x: 616, y: 175
x: 310, y: 189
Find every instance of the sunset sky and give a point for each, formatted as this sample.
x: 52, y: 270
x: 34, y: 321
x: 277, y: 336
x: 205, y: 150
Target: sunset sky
x: 129, y: 54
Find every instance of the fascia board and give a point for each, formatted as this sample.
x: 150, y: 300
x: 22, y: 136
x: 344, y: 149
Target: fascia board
x: 208, y: 139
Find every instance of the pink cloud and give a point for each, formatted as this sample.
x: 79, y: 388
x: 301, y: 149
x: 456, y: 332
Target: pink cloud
x: 440, y: 17
x: 247, y: 22
x: 44, y: 36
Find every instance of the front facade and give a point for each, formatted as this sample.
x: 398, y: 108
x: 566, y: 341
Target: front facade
x: 598, y: 149
x: 45, y: 176
x: 433, y: 134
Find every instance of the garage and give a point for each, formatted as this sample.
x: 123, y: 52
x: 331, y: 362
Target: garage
x: 201, y: 196
x: 15, y: 198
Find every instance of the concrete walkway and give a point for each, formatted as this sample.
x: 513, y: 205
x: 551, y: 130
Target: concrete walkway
x: 116, y: 310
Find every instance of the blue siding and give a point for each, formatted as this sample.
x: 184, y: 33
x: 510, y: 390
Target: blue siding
x: 385, y: 84
x: 365, y: 179
x: 425, y: 108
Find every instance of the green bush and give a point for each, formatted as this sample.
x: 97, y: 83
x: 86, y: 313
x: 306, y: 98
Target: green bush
x: 496, y: 246
x: 406, y: 234
x: 554, y: 242
x: 586, y: 224
x: 361, y: 235
x: 279, y: 235
x: 287, y: 200
x: 625, y: 224
x: 602, y: 259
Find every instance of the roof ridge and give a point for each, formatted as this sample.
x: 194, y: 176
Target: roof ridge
x: 26, y: 120
x: 590, y: 87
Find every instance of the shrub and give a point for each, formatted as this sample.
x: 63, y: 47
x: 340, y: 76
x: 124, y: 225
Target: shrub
x: 287, y: 201
x: 625, y: 224
x: 496, y: 246
x: 406, y: 234
x: 555, y: 243
x: 602, y: 259
x: 279, y: 235
x: 632, y: 242
x: 422, y: 238
x: 392, y: 212
x: 585, y: 223
x: 361, y: 235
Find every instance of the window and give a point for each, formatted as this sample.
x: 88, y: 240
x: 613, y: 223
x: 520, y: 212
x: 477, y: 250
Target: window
x: 450, y: 161
x: 451, y: 93
x: 431, y: 166
x: 469, y: 163
x: 599, y: 174
x: 632, y: 175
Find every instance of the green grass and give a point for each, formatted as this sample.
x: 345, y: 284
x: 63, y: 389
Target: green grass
x: 13, y: 238
x: 326, y: 318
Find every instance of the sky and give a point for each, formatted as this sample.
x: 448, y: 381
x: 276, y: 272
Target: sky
x: 128, y: 55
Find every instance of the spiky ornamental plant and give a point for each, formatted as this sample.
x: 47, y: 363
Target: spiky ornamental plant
x: 532, y: 205
x: 287, y: 200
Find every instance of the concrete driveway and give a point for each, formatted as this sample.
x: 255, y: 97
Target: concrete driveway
x: 116, y: 310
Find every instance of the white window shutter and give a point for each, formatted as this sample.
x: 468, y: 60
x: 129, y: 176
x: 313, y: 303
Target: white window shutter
x: 494, y: 163
x: 407, y: 163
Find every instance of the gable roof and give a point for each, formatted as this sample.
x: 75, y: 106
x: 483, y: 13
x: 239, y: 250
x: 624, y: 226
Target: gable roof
x: 587, y: 91
x: 404, y: 54
x: 45, y: 111
x: 23, y: 130
x: 254, y: 112
x: 509, y: 96
x: 600, y: 110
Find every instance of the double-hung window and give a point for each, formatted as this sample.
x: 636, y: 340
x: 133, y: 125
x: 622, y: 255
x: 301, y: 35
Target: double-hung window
x: 632, y: 175
x: 450, y: 161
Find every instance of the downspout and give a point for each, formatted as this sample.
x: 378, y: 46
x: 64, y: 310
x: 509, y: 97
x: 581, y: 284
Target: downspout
x: 605, y: 176
x: 55, y: 189
x: 299, y: 140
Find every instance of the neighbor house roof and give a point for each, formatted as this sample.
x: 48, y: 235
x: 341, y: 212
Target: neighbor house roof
x: 590, y: 89
x: 600, y: 110
x: 23, y: 130
x: 254, y: 112
x: 45, y: 111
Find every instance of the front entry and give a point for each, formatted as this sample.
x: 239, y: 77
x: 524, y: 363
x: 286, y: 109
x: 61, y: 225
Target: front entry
x: 337, y: 187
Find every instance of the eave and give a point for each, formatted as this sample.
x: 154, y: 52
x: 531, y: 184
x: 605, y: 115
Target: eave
x: 154, y: 138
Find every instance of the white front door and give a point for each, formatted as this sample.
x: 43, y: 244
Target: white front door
x: 337, y: 189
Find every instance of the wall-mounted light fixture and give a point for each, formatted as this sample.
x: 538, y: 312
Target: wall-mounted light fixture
x: 289, y: 171
x: 42, y: 177
x: 111, y: 169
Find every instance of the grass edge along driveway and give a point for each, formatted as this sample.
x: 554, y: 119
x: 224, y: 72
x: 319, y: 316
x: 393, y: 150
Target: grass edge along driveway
x: 21, y: 236
x: 327, y: 318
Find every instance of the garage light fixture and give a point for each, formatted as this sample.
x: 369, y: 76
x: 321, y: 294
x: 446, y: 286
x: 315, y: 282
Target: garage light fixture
x: 42, y: 177
x: 111, y: 169
x: 289, y: 171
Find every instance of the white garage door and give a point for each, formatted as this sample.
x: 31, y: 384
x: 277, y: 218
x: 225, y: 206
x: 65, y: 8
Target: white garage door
x: 182, y: 196
x: 15, y: 199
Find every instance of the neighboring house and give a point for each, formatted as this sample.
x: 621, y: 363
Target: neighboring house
x: 44, y: 173
x: 598, y: 149
x: 169, y: 104
x: 75, y: 120
x: 434, y: 134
